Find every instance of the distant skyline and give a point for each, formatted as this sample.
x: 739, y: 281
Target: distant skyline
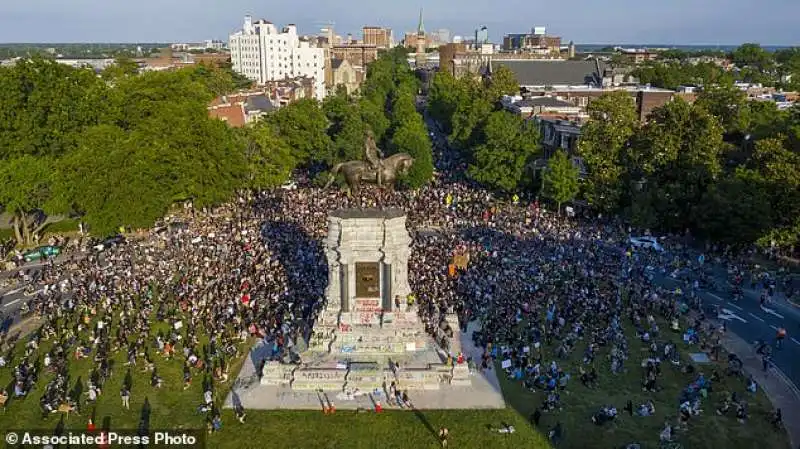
x: 676, y: 22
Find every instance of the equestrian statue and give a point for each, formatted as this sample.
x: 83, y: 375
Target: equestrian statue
x: 377, y: 169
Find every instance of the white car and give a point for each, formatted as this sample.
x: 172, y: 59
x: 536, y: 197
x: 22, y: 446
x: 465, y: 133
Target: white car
x: 291, y: 185
x: 646, y: 242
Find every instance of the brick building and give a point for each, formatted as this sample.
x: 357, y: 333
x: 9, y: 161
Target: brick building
x: 537, y: 41
x: 358, y: 55
x: 380, y: 37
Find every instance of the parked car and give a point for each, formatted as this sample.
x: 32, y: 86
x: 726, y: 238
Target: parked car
x: 646, y: 241
x: 291, y: 185
x: 115, y: 240
x: 41, y: 252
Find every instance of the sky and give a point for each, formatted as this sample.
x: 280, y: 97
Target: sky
x: 677, y: 22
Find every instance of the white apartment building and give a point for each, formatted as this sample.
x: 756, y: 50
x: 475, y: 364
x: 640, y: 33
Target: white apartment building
x: 263, y: 53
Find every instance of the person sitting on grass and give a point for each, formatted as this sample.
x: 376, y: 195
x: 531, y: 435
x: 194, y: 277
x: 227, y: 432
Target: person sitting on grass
x: 187, y: 377
x: 155, y: 380
x: 552, y: 402
x: 741, y: 412
x: 666, y: 433
x: 646, y: 409
x: 589, y: 380
x: 604, y: 415
x: 504, y: 428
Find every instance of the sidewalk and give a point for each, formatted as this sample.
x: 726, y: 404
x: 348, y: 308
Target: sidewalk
x: 24, y: 327
x: 779, y: 389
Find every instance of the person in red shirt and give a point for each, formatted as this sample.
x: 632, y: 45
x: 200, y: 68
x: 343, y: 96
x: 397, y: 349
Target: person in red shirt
x: 779, y: 336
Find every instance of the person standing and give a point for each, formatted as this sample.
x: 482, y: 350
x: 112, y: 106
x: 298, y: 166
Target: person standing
x: 780, y: 335
x: 126, y: 398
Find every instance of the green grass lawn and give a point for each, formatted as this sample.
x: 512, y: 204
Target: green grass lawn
x: 173, y: 408
x: 707, y: 431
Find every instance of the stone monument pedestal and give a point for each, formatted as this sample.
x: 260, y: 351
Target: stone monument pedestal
x: 368, y: 335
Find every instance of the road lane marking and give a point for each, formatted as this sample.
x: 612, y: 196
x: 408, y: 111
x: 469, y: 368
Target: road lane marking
x: 757, y: 317
x: 15, y: 291
x: 727, y: 315
x: 715, y: 296
x: 771, y: 312
x: 795, y: 340
x: 11, y: 303
x: 734, y: 306
x: 773, y: 327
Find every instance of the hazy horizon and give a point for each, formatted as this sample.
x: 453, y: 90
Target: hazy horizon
x: 678, y: 22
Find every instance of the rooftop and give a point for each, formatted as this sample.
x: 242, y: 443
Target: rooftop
x: 549, y: 72
x: 543, y: 101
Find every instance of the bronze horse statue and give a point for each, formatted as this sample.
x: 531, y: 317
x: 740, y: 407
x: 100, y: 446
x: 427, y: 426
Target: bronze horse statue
x: 376, y: 170
x: 356, y: 172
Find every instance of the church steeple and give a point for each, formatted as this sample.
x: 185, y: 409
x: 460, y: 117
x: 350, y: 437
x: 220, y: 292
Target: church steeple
x: 421, y: 26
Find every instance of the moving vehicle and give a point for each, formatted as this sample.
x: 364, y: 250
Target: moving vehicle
x: 41, y: 252
x: 646, y: 241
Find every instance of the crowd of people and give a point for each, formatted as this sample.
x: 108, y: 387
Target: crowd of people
x: 194, y: 289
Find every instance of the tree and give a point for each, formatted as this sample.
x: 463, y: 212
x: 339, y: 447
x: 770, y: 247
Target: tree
x: 348, y: 134
x: 604, y: 141
x: 501, y: 82
x: 45, y: 105
x: 780, y: 170
x: 374, y: 116
x: 444, y: 97
x: 123, y: 66
x: 217, y: 81
x: 304, y: 127
x: 472, y: 109
x: 24, y: 193
x: 509, y: 144
x: 269, y: 159
x: 735, y: 210
x: 729, y: 104
x: 412, y: 137
x: 561, y: 182
x: 678, y: 154
x: 750, y: 54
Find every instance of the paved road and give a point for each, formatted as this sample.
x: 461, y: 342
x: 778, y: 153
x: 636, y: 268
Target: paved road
x: 14, y: 297
x: 747, y: 319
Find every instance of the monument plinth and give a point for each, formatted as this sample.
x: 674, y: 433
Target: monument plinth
x: 368, y: 326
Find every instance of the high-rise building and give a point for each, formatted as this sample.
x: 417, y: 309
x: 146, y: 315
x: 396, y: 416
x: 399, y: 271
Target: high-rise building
x: 481, y: 36
x: 263, y: 53
x: 378, y: 36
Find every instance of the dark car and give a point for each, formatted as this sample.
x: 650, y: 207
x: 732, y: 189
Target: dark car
x: 109, y: 242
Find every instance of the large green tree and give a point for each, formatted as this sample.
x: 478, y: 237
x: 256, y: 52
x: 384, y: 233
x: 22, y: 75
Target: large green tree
x: 25, y: 191
x: 509, y: 145
x: 678, y: 154
x: 304, y: 127
x: 45, y: 106
x: 412, y: 137
x: 604, y: 143
x: 269, y: 158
